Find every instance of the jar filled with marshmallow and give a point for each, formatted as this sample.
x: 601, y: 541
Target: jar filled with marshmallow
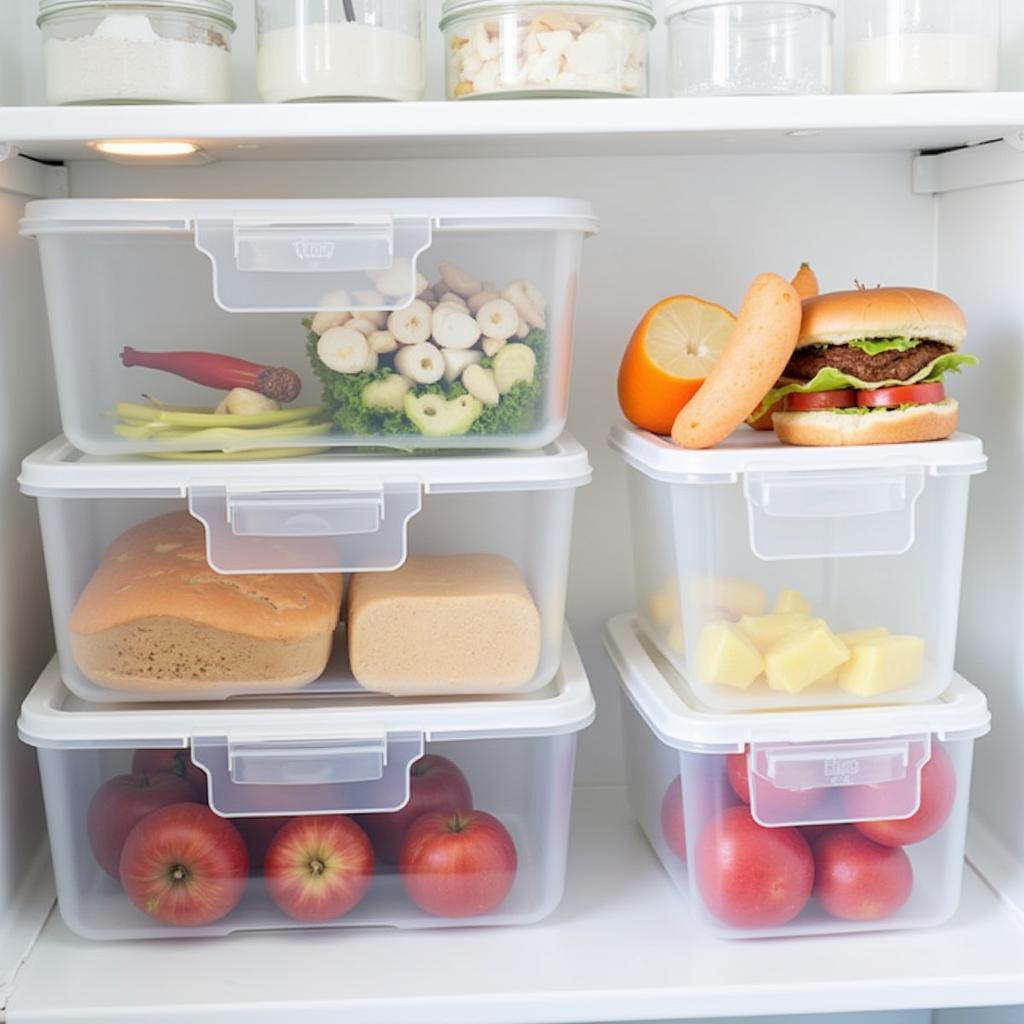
x: 567, y: 49
x: 922, y: 46
x: 133, y: 51
x: 322, y: 50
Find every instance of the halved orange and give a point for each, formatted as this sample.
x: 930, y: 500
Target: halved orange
x: 671, y: 352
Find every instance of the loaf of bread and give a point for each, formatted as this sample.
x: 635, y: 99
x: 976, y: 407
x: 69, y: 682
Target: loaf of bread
x: 156, y: 617
x: 443, y: 624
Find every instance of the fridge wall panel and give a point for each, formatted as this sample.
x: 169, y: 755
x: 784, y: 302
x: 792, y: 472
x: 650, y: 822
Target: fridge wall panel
x: 979, y: 256
x: 702, y: 225
x: 28, y: 415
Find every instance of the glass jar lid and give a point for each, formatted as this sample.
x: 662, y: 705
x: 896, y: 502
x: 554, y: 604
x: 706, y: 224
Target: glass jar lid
x: 453, y: 8
x: 674, y: 7
x: 219, y: 9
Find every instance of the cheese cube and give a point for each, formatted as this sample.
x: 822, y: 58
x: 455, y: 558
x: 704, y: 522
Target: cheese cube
x: 768, y: 630
x: 883, y: 664
x: 862, y: 636
x: 663, y: 604
x: 804, y: 658
x: 727, y: 596
x: 675, y: 639
x: 792, y: 601
x: 727, y: 656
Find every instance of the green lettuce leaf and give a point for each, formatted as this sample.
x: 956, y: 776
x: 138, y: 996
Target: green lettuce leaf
x: 830, y: 379
x: 876, y: 346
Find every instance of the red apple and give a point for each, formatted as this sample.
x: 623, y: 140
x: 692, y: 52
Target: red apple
x: 175, y: 762
x: 938, y: 794
x: 458, y: 865
x: 319, y: 867
x: 751, y: 876
x: 121, y: 802
x: 184, y: 865
x: 673, y: 825
x: 858, y: 880
x: 258, y: 834
x: 436, y: 785
x: 773, y: 804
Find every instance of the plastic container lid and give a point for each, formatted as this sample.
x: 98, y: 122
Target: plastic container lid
x: 453, y: 8
x: 59, y: 470
x: 53, y: 718
x: 674, y: 7
x: 185, y: 215
x: 747, y: 451
x: 220, y: 9
x: 668, y: 705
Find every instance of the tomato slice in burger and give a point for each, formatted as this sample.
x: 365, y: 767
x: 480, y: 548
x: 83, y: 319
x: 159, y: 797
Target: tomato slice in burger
x: 798, y: 402
x: 906, y: 394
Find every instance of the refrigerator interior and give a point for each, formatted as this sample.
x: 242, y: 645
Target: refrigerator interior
x: 703, y: 224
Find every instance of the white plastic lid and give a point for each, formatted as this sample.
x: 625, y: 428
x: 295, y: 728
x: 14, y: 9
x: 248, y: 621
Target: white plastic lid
x: 761, y: 451
x: 670, y: 708
x: 184, y: 215
x: 59, y: 470
x: 53, y: 718
x: 454, y: 8
x: 220, y: 9
x: 674, y: 7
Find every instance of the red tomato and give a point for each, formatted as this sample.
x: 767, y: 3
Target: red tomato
x: 907, y: 394
x: 858, y: 880
x: 673, y: 824
x: 844, y: 399
x: 785, y: 806
x: 750, y: 876
x: 938, y: 794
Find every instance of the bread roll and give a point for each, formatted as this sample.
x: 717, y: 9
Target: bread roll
x: 932, y: 422
x: 443, y: 624
x: 156, y: 617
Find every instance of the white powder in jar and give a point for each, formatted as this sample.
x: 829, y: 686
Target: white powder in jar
x: 126, y: 61
x: 923, y: 62
x: 339, y: 60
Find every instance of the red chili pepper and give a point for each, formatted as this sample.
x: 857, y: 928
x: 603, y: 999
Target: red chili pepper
x: 217, y: 371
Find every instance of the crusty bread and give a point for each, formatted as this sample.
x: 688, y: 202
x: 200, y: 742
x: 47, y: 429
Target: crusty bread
x: 837, y: 318
x: 156, y: 617
x: 443, y: 624
x: 889, y: 426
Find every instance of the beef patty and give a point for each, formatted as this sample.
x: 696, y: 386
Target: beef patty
x: 806, y: 362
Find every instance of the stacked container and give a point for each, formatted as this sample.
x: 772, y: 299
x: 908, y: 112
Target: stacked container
x: 374, y: 635
x: 791, y: 703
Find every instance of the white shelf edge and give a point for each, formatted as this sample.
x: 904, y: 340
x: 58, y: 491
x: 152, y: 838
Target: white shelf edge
x: 621, y: 947
x: 731, y: 124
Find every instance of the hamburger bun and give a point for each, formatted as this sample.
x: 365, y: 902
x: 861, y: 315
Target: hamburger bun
x: 889, y: 426
x: 841, y: 317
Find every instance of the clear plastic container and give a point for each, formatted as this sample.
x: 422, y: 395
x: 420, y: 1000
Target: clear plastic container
x: 529, y: 48
x: 750, y: 48
x: 259, y: 765
x: 352, y: 50
x: 120, y: 51
x: 926, y: 46
x: 488, y: 540
x: 798, y: 823
x: 774, y: 576
x: 397, y: 288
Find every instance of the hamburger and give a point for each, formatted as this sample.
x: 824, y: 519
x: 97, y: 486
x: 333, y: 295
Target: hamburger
x: 868, y: 368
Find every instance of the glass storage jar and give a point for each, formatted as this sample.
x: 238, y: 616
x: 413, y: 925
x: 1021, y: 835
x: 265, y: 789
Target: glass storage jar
x: 116, y: 51
x: 339, y: 50
x: 752, y: 48
x: 566, y: 49
x: 922, y: 46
